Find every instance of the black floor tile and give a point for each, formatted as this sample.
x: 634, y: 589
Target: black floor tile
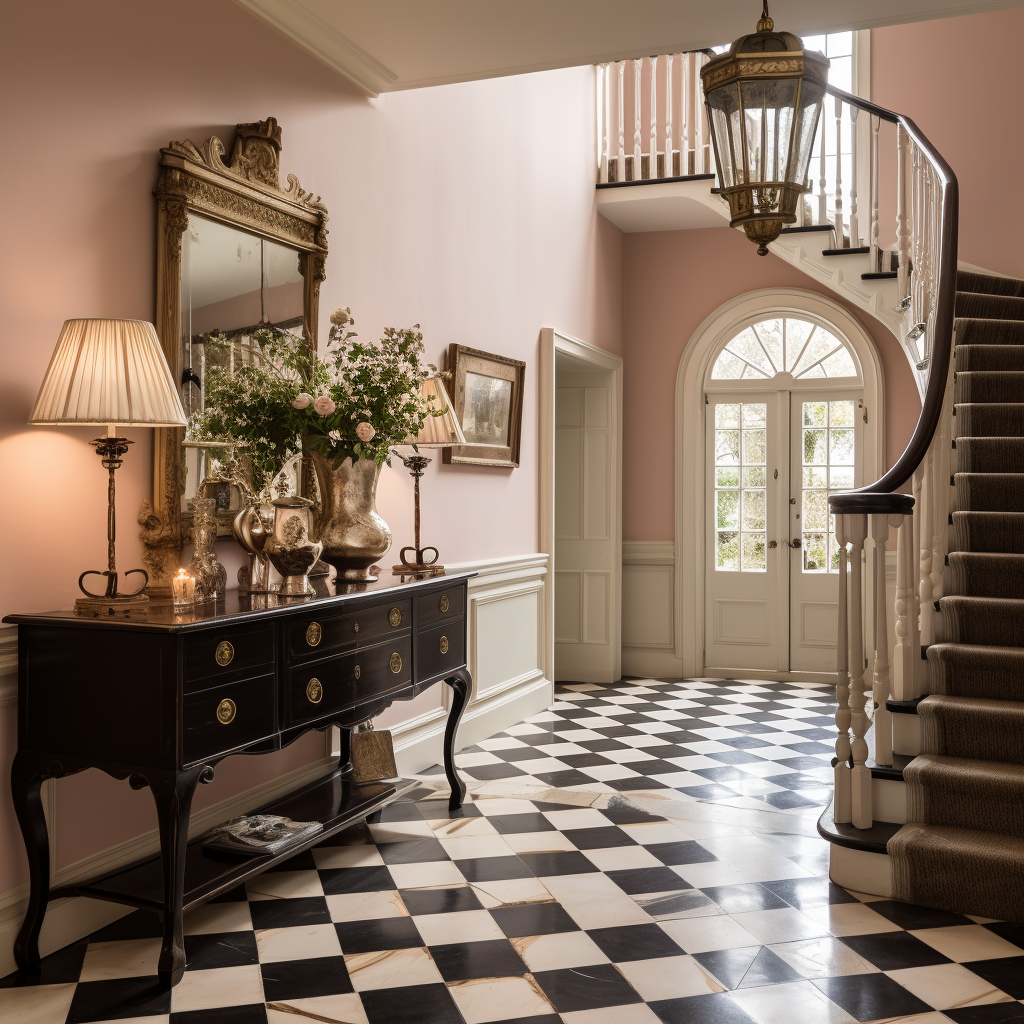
x: 1008, y: 930
x: 299, y: 979
x: 533, y: 919
x: 512, y: 824
x: 787, y: 800
x: 639, y: 782
x: 805, y: 764
x: 492, y: 869
x: 991, y: 1013
x: 289, y: 913
x: 734, y: 757
x: 411, y: 1004
x: 607, y: 743
x: 625, y: 814
x: 1005, y: 973
x: 396, y: 812
x: 515, y: 754
x: 723, y: 774
x: 767, y: 968
x: 729, y: 966
x: 252, y: 1013
x: 489, y: 772
x: 745, y: 742
x: 599, y: 838
x: 685, y: 852
x: 708, y: 792
x: 738, y: 899
x: 634, y: 942
x: 141, y: 924
x: 893, y: 951
x: 463, y: 961
x: 809, y: 892
x: 226, y: 949
x: 556, y: 863
x: 567, y: 779
x: 300, y: 862
x: 336, y: 881
x: 440, y: 901
x: 641, y: 880
x: 584, y: 760
x: 433, y: 810
x: 412, y: 851
x: 871, y: 996
x: 382, y: 933
x: 909, y: 916
x: 586, y: 988
x: 125, y: 997
x: 60, y: 968
x: 711, y: 1009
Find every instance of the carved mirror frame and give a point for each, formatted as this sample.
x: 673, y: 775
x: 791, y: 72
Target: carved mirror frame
x: 244, y: 193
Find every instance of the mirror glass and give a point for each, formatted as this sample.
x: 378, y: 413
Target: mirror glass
x: 232, y: 282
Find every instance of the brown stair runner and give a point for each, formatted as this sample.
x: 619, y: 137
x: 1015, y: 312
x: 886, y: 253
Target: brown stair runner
x: 963, y: 849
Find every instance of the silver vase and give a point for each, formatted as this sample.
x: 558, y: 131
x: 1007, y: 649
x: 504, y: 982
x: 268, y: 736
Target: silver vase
x: 251, y: 528
x: 353, y: 535
x: 290, y: 546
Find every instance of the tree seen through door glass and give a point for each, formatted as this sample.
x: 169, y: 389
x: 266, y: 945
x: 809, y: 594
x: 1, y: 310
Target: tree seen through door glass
x: 741, y: 478
x: 804, y: 349
x: 828, y: 462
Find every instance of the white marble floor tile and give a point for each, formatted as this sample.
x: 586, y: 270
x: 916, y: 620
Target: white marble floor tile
x: 400, y: 831
x: 130, y: 958
x: 366, y: 906
x: 788, y: 1004
x: 391, y: 968
x: 492, y: 806
x: 502, y: 743
x: 474, y: 760
x: 36, y: 1004
x: 850, y: 919
x: 622, y: 858
x: 594, y: 901
x: 649, y: 832
x: 678, y: 905
x: 511, y: 892
x: 426, y: 874
x: 670, y: 977
x: 284, y: 885
x: 822, y: 957
x: 461, y: 828
x: 483, y: 1000
x: 218, y: 917
x: 604, y: 772
x: 964, y: 943
x: 464, y: 926
x: 948, y: 986
x: 303, y: 942
x: 539, y: 842
x: 631, y: 1013
x: 348, y: 1008
x: 559, y: 951
x: 207, y: 990
x: 703, y: 934
x: 331, y: 857
x: 459, y: 848
x: 585, y: 817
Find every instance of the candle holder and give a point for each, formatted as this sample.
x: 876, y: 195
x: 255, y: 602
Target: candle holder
x: 183, y: 587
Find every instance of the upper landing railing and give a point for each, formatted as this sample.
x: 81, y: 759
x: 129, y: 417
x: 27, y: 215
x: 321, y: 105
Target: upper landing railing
x: 907, y: 226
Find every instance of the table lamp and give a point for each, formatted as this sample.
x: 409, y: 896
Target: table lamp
x: 108, y: 373
x: 440, y: 430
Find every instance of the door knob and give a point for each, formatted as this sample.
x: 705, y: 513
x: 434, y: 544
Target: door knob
x: 773, y: 544
x: 795, y: 543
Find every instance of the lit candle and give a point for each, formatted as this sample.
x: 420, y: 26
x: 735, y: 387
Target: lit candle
x: 184, y: 588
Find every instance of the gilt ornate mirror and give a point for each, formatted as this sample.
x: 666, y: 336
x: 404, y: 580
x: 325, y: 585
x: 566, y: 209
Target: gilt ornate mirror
x: 235, y: 253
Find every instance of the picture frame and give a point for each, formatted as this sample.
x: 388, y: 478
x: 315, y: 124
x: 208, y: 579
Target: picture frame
x: 487, y: 394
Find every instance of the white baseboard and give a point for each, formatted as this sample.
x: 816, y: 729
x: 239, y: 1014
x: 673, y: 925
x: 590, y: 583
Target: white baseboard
x: 650, y: 664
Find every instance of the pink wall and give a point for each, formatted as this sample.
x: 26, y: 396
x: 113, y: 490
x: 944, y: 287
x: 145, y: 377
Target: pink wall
x: 958, y: 79
x: 481, y: 243
x: 672, y: 281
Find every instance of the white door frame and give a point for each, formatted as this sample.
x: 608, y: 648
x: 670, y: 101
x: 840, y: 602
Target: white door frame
x: 704, y: 345
x: 552, y: 344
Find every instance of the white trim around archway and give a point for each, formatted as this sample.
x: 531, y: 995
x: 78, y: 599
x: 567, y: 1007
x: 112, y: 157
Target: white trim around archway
x: 694, y: 369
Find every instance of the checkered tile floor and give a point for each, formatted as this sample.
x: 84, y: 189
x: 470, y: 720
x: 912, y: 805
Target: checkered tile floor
x: 639, y: 853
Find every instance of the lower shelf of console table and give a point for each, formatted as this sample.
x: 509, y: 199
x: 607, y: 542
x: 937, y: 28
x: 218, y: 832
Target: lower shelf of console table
x: 335, y: 800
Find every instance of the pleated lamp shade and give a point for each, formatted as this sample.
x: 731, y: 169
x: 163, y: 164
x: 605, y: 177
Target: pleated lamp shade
x: 108, y: 372
x: 438, y: 431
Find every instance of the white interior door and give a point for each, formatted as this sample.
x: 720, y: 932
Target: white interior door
x: 587, y: 528
x: 826, y: 456
x: 747, y: 575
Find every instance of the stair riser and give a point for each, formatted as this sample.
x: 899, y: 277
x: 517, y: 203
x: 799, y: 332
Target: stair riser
x: 977, y: 331
x: 967, y: 806
x: 1001, y: 385
x: 995, y: 627
x: 989, y: 420
x: 980, y: 576
x: 988, y: 455
x: 966, y: 281
x: 980, y: 531
x: 989, y: 358
x: 970, y: 673
x: 989, y: 307
x: 989, y: 492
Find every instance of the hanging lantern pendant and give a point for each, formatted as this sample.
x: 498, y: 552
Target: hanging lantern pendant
x: 764, y: 99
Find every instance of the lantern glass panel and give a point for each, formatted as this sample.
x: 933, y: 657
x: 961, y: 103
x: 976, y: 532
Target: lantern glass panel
x: 723, y: 104
x: 807, y: 113
x: 768, y: 119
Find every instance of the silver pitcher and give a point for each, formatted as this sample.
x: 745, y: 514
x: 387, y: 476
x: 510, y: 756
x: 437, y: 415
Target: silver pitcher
x: 290, y: 546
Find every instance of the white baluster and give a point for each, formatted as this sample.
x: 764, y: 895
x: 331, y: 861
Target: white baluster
x: 698, y: 120
x: 902, y: 223
x: 601, y: 78
x: 822, y: 182
x: 653, y: 155
x: 903, y: 683
x: 920, y: 665
x: 875, y: 124
x: 671, y: 170
x: 840, y: 224
x: 880, y: 683
x: 685, y: 121
x: 841, y: 808
x: 854, y: 218
x: 621, y: 169
x: 638, y: 74
x: 860, y: 775
x: 927, y: 546
x: 706, y: 149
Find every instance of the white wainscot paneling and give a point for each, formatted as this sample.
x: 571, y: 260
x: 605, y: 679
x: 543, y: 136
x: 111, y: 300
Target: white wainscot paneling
x: 648, y: 609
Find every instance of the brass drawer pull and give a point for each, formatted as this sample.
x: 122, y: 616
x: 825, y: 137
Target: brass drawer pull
x: 395, y: 664
x: 313, y: 634
x: 314, y: 691
x: 395, y: 617
x: 226, y: 711
x: 444, y: 605
x: 355, y: 627
x: 224, y: 653
x: 443, y: 645
x: 357, y: 672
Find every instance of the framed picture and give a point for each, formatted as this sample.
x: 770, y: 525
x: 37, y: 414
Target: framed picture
x: 487, y: 392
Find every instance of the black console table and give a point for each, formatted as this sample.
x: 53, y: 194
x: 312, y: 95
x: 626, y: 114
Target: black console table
x: 160, y: 698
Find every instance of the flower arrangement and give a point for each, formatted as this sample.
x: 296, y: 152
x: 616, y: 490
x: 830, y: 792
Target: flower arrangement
x: 355, y: 402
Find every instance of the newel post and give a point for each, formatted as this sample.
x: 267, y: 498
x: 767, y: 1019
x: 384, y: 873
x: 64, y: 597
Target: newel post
x: 841, y: 807
x: 861, y: 811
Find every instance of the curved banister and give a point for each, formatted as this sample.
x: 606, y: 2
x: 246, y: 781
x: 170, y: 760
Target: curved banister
x: 881, y: 496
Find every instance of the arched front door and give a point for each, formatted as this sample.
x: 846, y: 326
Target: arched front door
x: 784, y: 417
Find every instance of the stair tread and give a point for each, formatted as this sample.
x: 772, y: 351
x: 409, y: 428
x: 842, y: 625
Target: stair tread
x: 873, y: 840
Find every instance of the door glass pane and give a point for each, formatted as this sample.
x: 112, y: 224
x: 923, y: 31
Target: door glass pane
x: 828, y: 451
x: 741, y: 478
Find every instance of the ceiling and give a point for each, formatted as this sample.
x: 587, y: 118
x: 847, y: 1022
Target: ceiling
x: 387, y: 45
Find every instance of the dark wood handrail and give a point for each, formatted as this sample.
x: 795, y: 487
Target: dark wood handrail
x: 882, y: 496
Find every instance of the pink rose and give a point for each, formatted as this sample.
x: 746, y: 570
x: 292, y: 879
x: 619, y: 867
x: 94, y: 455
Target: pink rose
x: 302, y: 401
x: 323, y: 405
x: 365, y: 431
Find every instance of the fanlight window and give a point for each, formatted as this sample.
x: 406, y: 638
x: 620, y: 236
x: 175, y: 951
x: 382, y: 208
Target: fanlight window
x: 804, y: 349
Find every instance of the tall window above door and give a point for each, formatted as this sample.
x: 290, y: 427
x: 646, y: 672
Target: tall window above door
x: 801, y: 348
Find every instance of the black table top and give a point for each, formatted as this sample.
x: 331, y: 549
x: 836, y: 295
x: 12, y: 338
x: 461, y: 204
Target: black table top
x: 235, y: 609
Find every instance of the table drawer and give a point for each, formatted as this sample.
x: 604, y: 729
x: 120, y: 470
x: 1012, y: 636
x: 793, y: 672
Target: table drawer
x: 315, y: 635
x: 218, y: 657
x: 440, y: 649
x: 441, y: 604
x: 228, y: 716
x: 326, y: 687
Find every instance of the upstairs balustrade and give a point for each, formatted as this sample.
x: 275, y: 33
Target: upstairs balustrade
x: 878, y: 187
